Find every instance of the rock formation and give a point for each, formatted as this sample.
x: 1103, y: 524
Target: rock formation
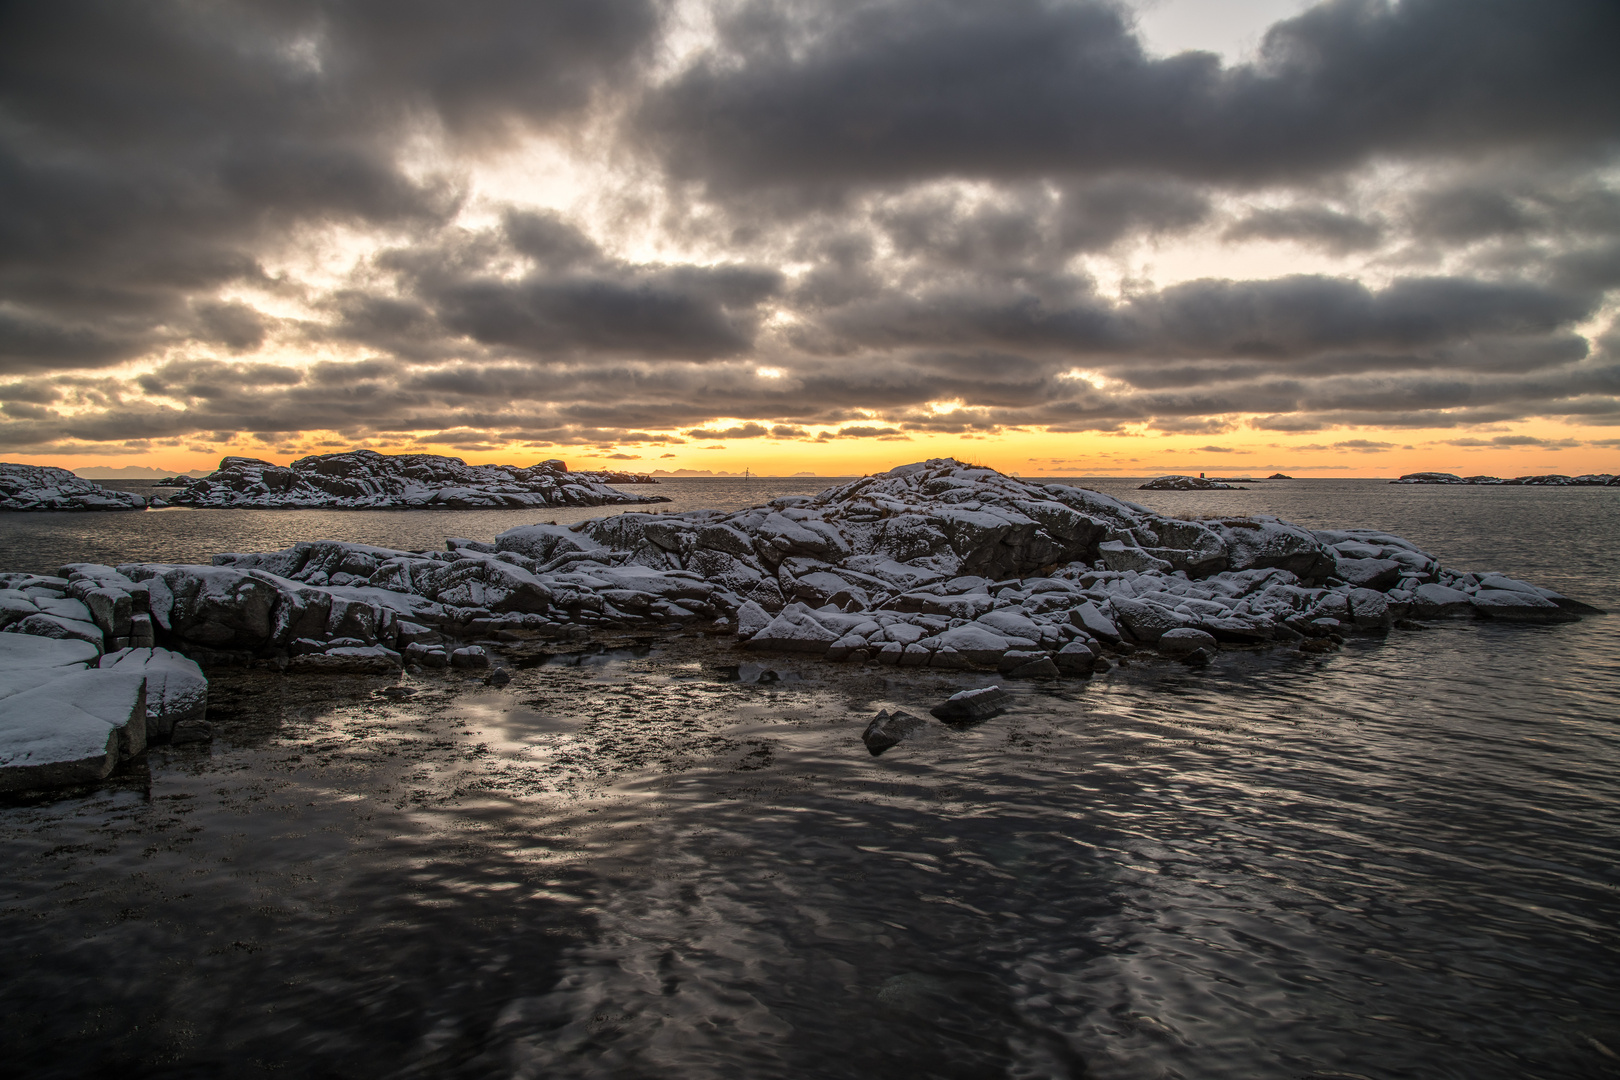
x: 367, y: 480
x: 934, y: 564
x: 45, y: 487
x: 1186, y: 483
x: 1548, y: 480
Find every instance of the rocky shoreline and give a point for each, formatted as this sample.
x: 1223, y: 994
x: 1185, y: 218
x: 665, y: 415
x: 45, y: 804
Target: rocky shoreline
x: 367, y: 480
x: 1548, y: 480
x: 356, y: 480
x: 935, y: 564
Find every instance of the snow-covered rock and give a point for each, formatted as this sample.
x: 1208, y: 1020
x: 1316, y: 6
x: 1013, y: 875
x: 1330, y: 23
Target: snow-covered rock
x: 365, y: 479
x: 934, y: 564
x: 45, y: 487
x: 1186, y: 483
x: 71, y: 730
x: 1547, y: 480
x: 176, y: 688
x: 1184, y: 640
x: 973, y: 706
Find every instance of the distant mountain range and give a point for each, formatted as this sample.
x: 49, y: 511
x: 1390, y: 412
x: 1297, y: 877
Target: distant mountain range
x: 122, y: 472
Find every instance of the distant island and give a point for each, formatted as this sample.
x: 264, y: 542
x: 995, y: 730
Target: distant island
x: 1187, y: 483
x: 356, y: 480
x: 1549, y: 480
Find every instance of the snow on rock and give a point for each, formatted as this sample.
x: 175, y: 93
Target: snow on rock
x: 1184, y: 640
x: 934, y: 564
x: 71, y: 730
x: 176, y: 689
x: 45, y: 487
x: 1548, y: 480
x: 973, y: 706
x: 365, y: 479
x: 1186, y: 483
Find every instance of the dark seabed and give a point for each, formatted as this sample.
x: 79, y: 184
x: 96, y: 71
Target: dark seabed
x: 1395, y: 861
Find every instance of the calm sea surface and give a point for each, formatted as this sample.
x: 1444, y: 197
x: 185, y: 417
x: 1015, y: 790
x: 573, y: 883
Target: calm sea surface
x: 1401, y: 860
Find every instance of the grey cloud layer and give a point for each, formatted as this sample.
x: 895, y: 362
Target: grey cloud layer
x: 911, y: 89
x: 905, y: 195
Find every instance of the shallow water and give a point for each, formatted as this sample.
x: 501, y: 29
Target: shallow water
x: 1395, y: 861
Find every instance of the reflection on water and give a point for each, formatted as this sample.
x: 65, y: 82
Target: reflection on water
x: 651, y: 859
x: 1353, y: 865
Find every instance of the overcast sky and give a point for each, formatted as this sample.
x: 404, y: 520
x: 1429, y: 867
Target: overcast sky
x: 1056, y: 235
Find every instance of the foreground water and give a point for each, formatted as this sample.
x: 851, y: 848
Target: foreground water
x: 1395, y: 861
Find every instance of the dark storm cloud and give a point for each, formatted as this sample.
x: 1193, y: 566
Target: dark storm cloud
x: 1283, y: 318
x: 1038, y: 226
x: 897, y: 202
x: 461, y: 292
x: 151, y: 151
x: 908, y: 89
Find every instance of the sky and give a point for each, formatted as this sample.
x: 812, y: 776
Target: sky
x: 1060, y: 237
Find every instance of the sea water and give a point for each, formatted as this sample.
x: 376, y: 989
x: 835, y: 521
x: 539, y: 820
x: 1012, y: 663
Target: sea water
x: 1399, y: 860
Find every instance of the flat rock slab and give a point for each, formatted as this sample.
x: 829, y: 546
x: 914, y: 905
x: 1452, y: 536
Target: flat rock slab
x: 72, y: 730
x: 176, y: 688
x: 973, y: 706
x: 25, y: 652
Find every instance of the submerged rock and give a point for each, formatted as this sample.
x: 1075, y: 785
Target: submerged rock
x: 890, y: 729
x: 45, y: 487
x: 365, y: 479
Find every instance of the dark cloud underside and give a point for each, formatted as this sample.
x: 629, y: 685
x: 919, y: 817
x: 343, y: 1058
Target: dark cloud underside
x: 903, y: 210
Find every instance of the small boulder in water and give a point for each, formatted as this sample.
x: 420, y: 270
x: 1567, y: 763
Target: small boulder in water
x: 890, y: 729
x: 973, y: 706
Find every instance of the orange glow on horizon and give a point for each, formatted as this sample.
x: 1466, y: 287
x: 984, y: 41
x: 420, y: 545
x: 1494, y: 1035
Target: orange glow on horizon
x: 1243, y: 451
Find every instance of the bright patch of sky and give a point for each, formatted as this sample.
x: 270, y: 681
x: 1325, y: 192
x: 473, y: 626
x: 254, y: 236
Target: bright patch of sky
x: 1232, y: 28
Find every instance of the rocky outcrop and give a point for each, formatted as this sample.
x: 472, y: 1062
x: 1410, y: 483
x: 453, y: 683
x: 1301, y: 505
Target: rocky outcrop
x: 366, y: 480
x: 45, y: 487
x: 934, y: 565
x: 1186, y: 483
x: 1548, y: 480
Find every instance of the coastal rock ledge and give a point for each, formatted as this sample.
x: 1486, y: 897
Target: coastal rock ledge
x: 367, y: 480
x: 935, y: 564
x: 45, y: 487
